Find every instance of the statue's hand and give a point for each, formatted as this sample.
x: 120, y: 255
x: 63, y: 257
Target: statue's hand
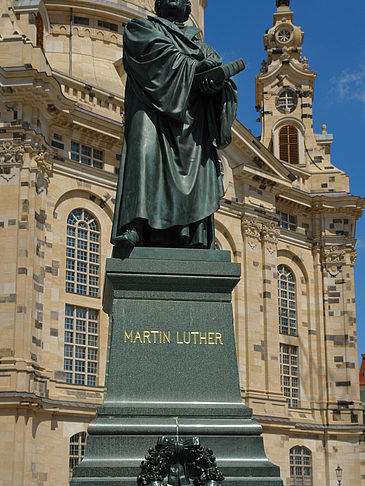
x: 206, y: 64
x: 208, y: 86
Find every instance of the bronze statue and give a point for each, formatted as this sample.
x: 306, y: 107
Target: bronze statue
x: 279, y: 3
x: 169, y: 182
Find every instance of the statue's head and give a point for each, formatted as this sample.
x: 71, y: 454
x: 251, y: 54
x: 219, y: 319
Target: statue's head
x: 174, y: 10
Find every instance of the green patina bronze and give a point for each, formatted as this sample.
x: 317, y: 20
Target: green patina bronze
x: 169, y: 181
x: 172, y: 370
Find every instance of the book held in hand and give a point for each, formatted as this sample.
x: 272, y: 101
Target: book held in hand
x: 220, y: 73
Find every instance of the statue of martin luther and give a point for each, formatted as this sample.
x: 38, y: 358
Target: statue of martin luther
x: 169, y: 182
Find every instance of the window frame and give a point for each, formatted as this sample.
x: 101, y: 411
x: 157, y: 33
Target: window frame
x: 289, y: 144
x: 83, y: 253
x: 87, y: 155
x: 287, y: 301
x: 289, y: 374
x: 298, y: 457
x: 76, y: 450
x: 81, y: 324
x: 287, y: 100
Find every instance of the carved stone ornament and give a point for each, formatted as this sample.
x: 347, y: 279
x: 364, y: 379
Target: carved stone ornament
x: 255, y: 230
x: 305, y: 63
x: 44, y: 167
x: 333, y: 258
x: 353, y: 256
x: 182, y: 461
x: 263, y: 69
x: 270, y: 234
x: 251, y: 229
x: 334, y: 254
x: 11, y: 156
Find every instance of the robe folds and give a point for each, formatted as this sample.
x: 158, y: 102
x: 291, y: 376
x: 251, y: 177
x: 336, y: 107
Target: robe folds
x: 169, y: 174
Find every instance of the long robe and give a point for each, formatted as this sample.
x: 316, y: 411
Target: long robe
x: 169, y: 174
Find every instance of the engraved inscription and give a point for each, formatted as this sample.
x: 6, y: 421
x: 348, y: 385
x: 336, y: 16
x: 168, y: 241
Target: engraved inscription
x: 144, y: 336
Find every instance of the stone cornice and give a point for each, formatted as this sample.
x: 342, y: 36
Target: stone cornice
x: 48, y: 405
x: 93, y: 175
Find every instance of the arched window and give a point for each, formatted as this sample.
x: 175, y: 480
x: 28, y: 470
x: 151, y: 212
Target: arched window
x: 287, y: 301
x: 77, y: 450
x: 82, y: 253
x: 288, y: 144
x: 40, y: 30
x: 300, y: 467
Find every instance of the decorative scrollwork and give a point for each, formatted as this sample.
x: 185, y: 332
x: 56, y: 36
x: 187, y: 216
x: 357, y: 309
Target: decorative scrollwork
x: 334, y: 255
x: 255, y: 230
x: 11, y: 154
x: 184, y: 462
x: 334, y: 258
x: 270, y: 232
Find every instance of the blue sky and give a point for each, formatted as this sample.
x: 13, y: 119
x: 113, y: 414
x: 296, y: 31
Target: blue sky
x: 334, y: 44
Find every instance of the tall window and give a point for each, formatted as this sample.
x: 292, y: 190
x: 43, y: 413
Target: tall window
x: 288, y: 144
x: 289, y: 368
x: 82, y: 253
x: 81, y: 345
x: 40, y: 30
x: 286, y: 301
x: 300, y: 466
x: 77, y: 450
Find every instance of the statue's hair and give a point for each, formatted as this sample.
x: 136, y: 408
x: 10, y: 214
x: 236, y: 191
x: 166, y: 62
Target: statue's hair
x: 187, y: 11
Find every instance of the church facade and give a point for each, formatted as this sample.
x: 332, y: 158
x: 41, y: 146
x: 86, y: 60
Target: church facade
x: 287, y: 217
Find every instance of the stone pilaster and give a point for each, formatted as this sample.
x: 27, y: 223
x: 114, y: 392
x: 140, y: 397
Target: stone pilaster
x: 270, y: 234
x: 27, y: 166
x: 260, y: 239
x: 340, y: 332
x: 252, y: 376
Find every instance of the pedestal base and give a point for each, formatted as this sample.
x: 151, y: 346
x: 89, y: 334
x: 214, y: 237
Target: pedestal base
x: 172, y: 369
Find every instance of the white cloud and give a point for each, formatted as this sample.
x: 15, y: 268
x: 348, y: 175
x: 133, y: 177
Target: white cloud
x: 349, y: 85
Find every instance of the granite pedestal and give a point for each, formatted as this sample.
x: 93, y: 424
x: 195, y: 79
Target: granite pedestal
x: 172, y: 368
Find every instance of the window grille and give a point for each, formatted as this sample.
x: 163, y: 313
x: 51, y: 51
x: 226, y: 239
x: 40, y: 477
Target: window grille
x: 288, y: 144
x: 82, y: 253
x: 87, y: 155
x: 287, y: 221
x: 287, y: 101
x: 81, y: 20
x: 287, y: 301
x: 300, y: 467
x: 289, y: 374
x: 108, y: 25
x: 76, y: 450
x: 81, y: 345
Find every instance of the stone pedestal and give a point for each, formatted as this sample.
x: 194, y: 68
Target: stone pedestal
x: 172, y: 368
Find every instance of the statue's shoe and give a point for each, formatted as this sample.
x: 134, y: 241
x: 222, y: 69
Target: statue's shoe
x: 130, y: 237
